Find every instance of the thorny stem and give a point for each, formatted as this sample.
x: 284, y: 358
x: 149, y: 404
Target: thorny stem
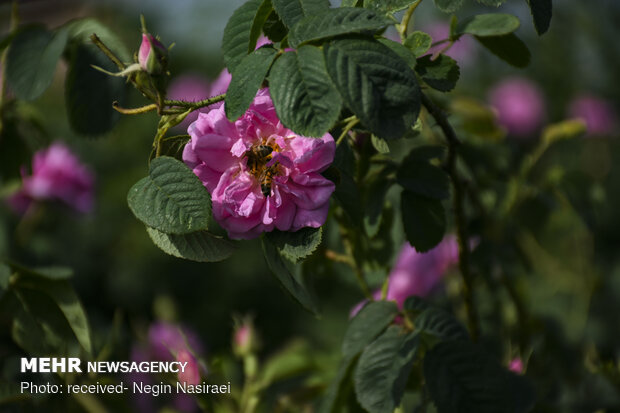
x: 459, y: 213
x: 134, y: 111
x: 406, y: 19
x: 106, y: 50
x: 195, y: 105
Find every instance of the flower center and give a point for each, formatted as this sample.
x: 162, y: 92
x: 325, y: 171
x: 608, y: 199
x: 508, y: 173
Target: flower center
x: 258, y: 156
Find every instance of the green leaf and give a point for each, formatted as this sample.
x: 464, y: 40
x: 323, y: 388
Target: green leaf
x: 424, y: 220
x: 367, y: 324
x: 492, y: 3
x: 425, y: 153
x: 242, y: 31
x: 379, y: 144
x: 509, y: 48
x: 200, y: 246
x: 80, y: 31
x: 418, y: 42
x: 334, y: 22
x: 339, y: 389
x: 247, y: 78
x: 171, y: 199
x: 5, y: 275
x: 278, y: 267
x: 441, y: 73
x: 64, y: 296
x: 50, y: 272
x: 293, y: 360
x: 440, y: 324
x: 400, y: 50
x: 274, y: 28
x: 303, y: 94
x: 292, y: 11
x: 296, y: 245
x: 567, y: 129
x: 31, y: 60
x: 375, y: 83
x: 423, y: 178
x: 541, y: 10
x: 89, y: 93
x: 388, y: 6
x: 485, y: 25
x: 383, y: 370
x: 415, y: 304
x: 351, y: 3
x: 448, y: 6
x: 463, y: 378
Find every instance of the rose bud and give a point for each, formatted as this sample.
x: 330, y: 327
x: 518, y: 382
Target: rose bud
x: 153, y: 55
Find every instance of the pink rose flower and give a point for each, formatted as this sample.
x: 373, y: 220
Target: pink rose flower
x: 417, y: 273
x: 57, y: 175
x: 152, y: 55
x: 597, y: 113
x: 519, y: 105
x: 191, y: 373
x: 261, y: 175
x: 516, y: 365
x: 166, y: 340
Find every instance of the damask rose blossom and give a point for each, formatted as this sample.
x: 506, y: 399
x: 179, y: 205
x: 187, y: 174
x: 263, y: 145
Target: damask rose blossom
x: 519, y: 105
x: 261, y: 175
x: 57, y: 175
x: 417, y: 273
x: 597, y: 113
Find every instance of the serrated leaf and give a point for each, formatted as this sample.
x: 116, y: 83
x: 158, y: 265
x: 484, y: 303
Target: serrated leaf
x: 388, y: 6
x: 485, y: 25
x: 400, y: 50
x: 335, y: 22
x: 375, y: 83
x: 274, y: 28
x: 441, y: 73
x: 383, y: 369
x: 541, y: 10
x: 63, y: 295
x: 423, y: 178
x: 463, y: 378
x: 292, y: 11
x: 242, y: 31
x: 31, y: 60
x: 171, y: 199
x: 89, y: 94
x: 509, y: 48
x: 424, y: 220
x: 277, y: 265
x: 418, y: 42
x: 338, y: 390
x: 448, y: 6
x: 440, y: 324
x: 296, y: 245
x: 367, y: 324
x: 303, y: 94
x: 200, y: 246
x: 247, y: 78
x: 415, y: 304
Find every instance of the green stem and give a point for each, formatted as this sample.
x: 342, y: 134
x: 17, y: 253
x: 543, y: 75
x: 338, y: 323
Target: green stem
x: 404, y: 25
x: 458, y: 202
x: 354, y: 121
x: 195, y: 105
x: 106, y: 50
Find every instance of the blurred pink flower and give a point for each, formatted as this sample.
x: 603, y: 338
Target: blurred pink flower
x: 57, y: 175
x: 516, y: 365
x: 463, y: 50
x: 152, y: 54
x: 519, y: 105
x: 261, y: 175
x: 417, y: 273
x: 597, y: 113
x: 191, y: 372
x: 166, y: 340
x: 190, y: 87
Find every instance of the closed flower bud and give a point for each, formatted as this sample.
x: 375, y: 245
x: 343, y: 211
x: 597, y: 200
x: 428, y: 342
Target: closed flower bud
x: 244, y: 339
x: 191, y: 372
x: 153, y: 55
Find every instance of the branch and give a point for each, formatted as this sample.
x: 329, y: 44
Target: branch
x: 459, y: 213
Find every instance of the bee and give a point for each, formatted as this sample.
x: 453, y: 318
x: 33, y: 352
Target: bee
x: 266, y: 179
x: 258, y: 156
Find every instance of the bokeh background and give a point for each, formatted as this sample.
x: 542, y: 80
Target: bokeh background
x: 125, y: 283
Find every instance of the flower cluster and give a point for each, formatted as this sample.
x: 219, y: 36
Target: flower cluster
x: 57, y: 175
x: 261, y: 175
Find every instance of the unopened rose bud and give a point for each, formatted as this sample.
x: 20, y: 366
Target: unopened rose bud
x: 244, y: 339
x: 191, y: 373
x: 153, y: 55
x: 516, y: 365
